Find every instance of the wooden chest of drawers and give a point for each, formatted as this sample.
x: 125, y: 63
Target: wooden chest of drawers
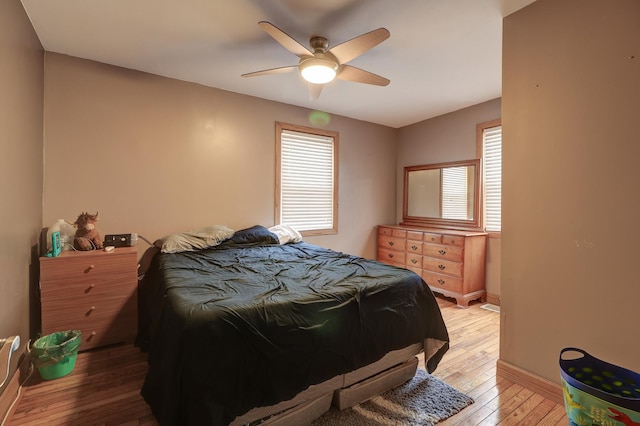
x: 93, y: 291
x: 451, y: 262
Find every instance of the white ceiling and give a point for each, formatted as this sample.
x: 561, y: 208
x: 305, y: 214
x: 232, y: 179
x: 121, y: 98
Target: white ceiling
x: 442, y: 55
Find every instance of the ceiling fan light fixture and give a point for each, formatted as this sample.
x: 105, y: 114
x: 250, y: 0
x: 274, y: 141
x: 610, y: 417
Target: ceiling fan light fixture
x: 318, y: 70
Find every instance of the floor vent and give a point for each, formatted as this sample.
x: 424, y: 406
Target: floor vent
x: 490, y: 307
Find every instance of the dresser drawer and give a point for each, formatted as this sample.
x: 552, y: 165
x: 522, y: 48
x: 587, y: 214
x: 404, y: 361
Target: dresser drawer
x: 99, y: 331
x: 444, y: 282
x: 391, y: 243
x: 83, y: 314
x: 398, y: 233
x: 442, y: 266
x: 441, y: 251
x: 99, y: 287
x: 384, y: 230
x: 453, y: 240
x: 90, y: 267
x: 100, y: 334
x: 396, y: 258
x: 432, y: 238
x: 414, y: 247
x: 413, y: 260
x: 414, y: 235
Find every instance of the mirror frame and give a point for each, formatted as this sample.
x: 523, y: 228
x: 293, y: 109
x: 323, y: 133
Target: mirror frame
x: 434, y: 222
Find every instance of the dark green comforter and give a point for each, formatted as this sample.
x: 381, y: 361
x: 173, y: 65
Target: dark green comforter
x: 244, y: 325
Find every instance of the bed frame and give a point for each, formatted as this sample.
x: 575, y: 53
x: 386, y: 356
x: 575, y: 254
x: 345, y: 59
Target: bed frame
x: 343, y: 391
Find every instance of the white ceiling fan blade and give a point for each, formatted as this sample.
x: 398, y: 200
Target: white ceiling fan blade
x: 314, y: 90
x: 355, y: 47
x: 279, y: 70
x: 347, y: 72
x: 284, y: 39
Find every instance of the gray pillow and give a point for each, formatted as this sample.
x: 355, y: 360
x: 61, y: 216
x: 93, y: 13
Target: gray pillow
x: 194, y: 240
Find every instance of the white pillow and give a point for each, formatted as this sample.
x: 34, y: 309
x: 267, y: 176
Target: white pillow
x: 286, y: 234
x: 194, y: 240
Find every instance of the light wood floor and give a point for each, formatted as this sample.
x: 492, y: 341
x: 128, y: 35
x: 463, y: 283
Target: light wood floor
x: 104, y: 387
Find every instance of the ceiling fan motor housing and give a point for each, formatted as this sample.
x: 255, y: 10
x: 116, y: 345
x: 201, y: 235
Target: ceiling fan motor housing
x: 319, y: 44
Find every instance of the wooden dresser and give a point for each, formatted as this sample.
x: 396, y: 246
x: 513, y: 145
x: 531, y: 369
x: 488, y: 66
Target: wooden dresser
x: 93, y: 291
x: 451, y: 262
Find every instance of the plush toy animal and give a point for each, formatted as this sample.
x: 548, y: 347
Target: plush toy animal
x: 87, y: 236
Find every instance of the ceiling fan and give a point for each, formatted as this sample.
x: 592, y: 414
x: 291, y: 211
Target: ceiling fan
x: 321, y: 65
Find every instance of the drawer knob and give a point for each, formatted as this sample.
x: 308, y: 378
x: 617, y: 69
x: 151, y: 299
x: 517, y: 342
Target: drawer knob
x: 89, y: 268
x: 390, y: 255
x: 414, y: 247
x: 89, y: 288
x: 91, y: 335
x: 391, y: 243
x: 441, y: 267
x: 91, y: 309
x: 441, y: 282
x: 414, y: 261
x: 442, y: 252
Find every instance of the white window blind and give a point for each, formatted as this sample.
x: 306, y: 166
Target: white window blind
x: 454, y: 188
x: 306, y: 180
x: 492, y: 156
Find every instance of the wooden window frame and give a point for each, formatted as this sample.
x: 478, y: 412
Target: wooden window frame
x: 480, y: 127
x: 280, y: 126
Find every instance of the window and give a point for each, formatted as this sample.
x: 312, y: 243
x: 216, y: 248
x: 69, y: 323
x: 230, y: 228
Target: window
x: 307, y: 179
x: 454, y: 190
x: 490, y: 150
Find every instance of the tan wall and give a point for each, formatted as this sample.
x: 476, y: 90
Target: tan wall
x: 155, y: 155
x: 449, y: 137
x: 21, y: 97
x: 571, y: 99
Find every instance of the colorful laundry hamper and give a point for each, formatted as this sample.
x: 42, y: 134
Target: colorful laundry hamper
x: 597, y: 392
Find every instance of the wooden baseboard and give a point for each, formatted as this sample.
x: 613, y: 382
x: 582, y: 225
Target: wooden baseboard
x: 494, y: 299
x: 12, y: 390
x: 542, y: 386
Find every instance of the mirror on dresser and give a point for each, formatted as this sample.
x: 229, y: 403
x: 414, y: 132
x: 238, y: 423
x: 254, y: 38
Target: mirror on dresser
x: 444, y: 195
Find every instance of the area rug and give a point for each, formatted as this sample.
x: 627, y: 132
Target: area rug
x: 422, y: 401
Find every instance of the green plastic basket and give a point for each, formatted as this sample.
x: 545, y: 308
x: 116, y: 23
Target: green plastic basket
x: 55, y: 354
x: 60, y: 369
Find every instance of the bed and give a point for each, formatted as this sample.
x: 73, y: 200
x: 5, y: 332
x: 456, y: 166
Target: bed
x: 252, y: 328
